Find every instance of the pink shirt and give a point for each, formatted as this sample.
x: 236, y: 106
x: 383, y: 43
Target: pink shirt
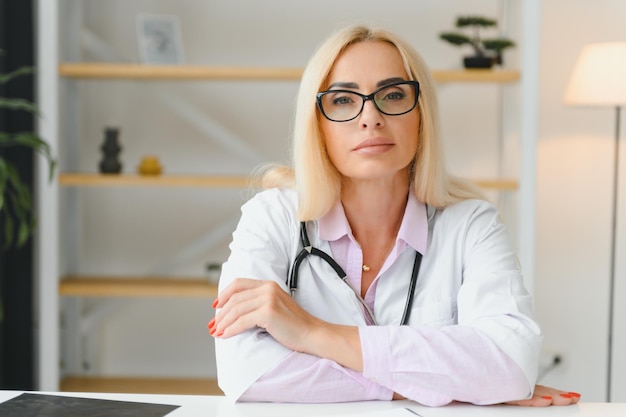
x: 334, y: 228
x: 433, y: 366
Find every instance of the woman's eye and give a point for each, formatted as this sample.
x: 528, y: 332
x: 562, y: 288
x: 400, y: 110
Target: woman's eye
x: 395, y: 96
x: 341, y: 100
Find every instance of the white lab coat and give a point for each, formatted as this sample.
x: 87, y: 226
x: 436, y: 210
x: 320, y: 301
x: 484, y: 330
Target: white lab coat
x: 469, y: 276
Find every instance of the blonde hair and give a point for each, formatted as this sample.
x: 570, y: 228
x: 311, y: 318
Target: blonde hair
x: 316, y: 180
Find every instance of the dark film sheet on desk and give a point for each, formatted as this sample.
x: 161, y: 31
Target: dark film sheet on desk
x: 42, y: 405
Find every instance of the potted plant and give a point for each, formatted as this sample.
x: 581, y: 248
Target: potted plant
x: 16, y: 208
x: 487, y: 52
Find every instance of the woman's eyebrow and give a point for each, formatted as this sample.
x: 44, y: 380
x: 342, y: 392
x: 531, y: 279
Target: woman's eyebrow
x: 353, y: 85
x: 343, y: 84
x: 389, y: 81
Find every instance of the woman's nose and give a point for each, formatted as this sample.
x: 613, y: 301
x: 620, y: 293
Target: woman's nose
x: 370, y: 116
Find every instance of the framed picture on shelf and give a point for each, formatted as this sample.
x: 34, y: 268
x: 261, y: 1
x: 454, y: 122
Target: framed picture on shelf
x: 159, y: 39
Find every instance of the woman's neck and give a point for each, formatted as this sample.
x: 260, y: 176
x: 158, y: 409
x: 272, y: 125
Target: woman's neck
x: 374, y: 209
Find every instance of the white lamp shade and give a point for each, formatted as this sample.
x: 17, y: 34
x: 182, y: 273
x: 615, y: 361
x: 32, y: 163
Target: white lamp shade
x: 599, y: 77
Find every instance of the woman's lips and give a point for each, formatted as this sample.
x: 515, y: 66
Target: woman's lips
x: 374, y: 145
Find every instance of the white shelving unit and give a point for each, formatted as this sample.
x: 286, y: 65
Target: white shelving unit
x: 52, y: 285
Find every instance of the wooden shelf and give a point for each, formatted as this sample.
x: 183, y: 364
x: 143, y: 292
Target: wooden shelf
x: 175, y: 72
x: 476, y: 76
x: 134, y: 385
x: 96, y: 180
x: 90, y: 70
x: 500, y: 185
x: 100, y: 286
x: 100, y: 180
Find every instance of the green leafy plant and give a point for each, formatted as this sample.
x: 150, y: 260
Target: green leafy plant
x: 491, y: 48
x: 16, y: 205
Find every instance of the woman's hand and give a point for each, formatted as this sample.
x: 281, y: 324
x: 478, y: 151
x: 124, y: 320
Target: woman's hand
x: 546, y: 396
x: 249, y: 303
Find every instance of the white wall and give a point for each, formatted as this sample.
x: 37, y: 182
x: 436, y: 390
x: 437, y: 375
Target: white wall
x: 574, y: 156
x: 575, y: 168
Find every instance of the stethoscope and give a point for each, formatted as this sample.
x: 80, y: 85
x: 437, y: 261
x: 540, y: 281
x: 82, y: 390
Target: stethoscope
x: 310, y: 250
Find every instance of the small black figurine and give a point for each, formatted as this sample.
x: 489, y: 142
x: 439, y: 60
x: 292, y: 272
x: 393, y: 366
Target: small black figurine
x: 110, y: 149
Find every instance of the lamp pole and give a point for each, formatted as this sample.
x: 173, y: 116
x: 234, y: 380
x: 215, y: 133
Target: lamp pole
x: 613, y: 248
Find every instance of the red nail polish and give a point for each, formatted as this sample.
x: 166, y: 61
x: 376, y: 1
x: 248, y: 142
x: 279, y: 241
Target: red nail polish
x: 547, y: 397
x: 221, y: 332
x: 212, y: 331
x: 569, y: 396
x: 574, y: 394
x: 215, y: 302
x: 211, y: 323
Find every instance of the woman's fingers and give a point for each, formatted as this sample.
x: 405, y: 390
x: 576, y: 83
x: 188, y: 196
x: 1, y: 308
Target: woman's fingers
x: 559, y: 397
x: 237, y: 286
x: 248, y: 303
x: 545, y: 396
x: 235, y: 304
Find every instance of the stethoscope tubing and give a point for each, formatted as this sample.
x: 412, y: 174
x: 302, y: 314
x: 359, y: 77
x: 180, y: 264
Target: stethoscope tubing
x: 308, y: 249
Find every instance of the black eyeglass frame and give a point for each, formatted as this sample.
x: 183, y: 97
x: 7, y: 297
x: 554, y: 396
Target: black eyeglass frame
x: 415, y: 84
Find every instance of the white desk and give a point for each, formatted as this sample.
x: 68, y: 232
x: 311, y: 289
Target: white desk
x: 214, y: 406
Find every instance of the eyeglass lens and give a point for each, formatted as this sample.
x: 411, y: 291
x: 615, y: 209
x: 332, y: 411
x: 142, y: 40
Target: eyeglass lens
x: 343, y: 105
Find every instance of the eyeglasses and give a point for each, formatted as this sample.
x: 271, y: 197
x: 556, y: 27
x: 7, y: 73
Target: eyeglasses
x: 345, y: 105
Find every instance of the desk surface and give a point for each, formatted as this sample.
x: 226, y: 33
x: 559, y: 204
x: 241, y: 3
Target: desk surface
x: 217, y: 406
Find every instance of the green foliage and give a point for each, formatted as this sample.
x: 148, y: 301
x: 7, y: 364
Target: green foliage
x: 466, y: 21
x: 482, y: 47
x: 497, y: 45
x: 16, y: 206
x: 455, y: 38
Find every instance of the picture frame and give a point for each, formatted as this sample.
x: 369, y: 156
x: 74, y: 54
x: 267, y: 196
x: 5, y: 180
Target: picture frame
x: 159, y: 39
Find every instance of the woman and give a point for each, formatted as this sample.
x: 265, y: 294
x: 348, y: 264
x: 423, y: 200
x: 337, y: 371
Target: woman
x: 433, y: 307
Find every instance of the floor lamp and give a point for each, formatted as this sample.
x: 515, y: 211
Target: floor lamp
x: 599, y: 80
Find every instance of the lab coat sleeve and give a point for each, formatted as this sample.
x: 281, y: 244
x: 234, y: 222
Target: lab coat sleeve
x: 263, y: 246
x: 491, y: 354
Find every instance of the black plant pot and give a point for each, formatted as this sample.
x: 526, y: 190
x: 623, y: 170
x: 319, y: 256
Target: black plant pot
x: 478, y: 61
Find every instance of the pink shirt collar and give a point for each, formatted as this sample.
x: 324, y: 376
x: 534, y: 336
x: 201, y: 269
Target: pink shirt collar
x: 413, y: 229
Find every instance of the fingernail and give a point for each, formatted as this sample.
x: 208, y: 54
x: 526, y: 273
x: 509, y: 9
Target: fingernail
x: 211, y: 323
x: 566, y: 395
x: 215, y: 302
x: 574, y: 394
x: 221, y: 332
x: 212, y: 331
x: 546, y: 397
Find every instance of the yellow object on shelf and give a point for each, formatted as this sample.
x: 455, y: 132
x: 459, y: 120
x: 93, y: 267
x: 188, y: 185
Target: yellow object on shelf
x: 149, y: 165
